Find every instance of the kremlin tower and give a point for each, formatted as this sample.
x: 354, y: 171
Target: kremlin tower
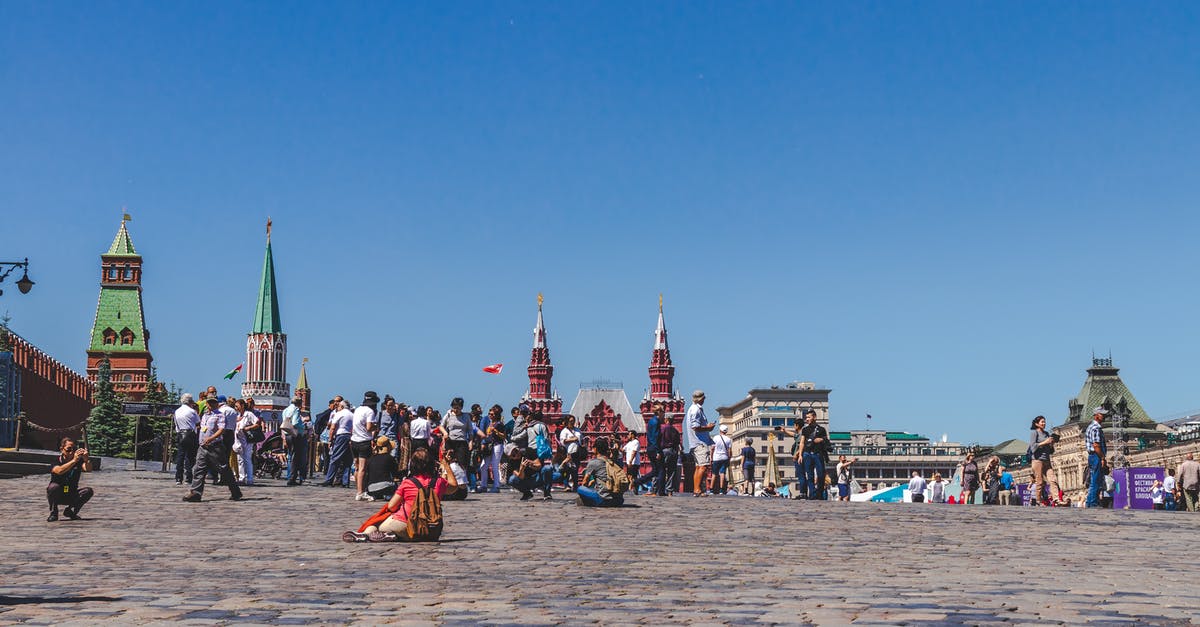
x: 540, y: 396
x: 119, y: 330
x: 266, y: 348
x: 662, y: 374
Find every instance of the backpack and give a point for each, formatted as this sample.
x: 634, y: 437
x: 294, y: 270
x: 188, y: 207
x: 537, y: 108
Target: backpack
x: 542, y: 445
x: 618, y: 480
x: 425, y: 519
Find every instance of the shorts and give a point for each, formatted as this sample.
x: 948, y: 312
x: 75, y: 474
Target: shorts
x: 720, y: 466
x: 360, y: 449
x: 701, y: 454
x: 843, y: 490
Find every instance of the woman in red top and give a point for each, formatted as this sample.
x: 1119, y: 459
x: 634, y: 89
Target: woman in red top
x: 393, y: 518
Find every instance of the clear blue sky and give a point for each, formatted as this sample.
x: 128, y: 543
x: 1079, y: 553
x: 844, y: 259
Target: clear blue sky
x: 936, y: 209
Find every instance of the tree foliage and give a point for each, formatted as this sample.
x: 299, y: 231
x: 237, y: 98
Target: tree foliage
x: 107, y: 426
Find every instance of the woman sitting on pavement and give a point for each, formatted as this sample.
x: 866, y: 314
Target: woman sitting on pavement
x: 391, y: 522
x: 460, y: 477
x: 594, y: 489
x: 381, y: 471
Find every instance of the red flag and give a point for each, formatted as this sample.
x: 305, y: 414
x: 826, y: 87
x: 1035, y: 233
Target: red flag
x: 493, y: 369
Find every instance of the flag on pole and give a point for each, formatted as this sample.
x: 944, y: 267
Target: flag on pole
x: 868, y: 416
x: 493, y: 369
x: 233, y: 373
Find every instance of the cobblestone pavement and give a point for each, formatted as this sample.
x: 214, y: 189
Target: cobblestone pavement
x: 142, y: 555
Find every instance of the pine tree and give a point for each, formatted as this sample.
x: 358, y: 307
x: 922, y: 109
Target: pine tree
x: 5, y: 344
x: 148, y: 427
x: 106, y: 428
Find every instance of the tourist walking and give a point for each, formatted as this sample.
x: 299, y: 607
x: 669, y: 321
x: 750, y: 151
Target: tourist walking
x: 991, y: 481
x: 231, y: 415
x: 64, y: 481
x: 668, y: 471
x: 748, y: 464
x: 1189, y: 482
x: 722, y: 451
x: 916, y: 487
x: 697, y: 441
x: 814, y: 442
x: 937, y: 489
x: 216, y: 438
x: 362, y: 433
x: 1097, y: 450
x: 187, y: 423
x: 340, y: 426
x: 970, y: 479
x: 1041, y: 447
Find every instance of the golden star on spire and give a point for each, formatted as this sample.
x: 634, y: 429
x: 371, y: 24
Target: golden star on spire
x: 539, y: 300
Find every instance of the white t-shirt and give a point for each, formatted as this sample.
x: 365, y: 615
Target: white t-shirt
x: 843, y: 473
x: 1169, y: 484
x: 632, y: 458
x: 362, y: 416
x: 343, y: 418
x: 565, y: 433
x: 418, y: 429
x: 248, y: 419
x: 1157, y: 495
x: 460, y: 475
x: 722, y: 446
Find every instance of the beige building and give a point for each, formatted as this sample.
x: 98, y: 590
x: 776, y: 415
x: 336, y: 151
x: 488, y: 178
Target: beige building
x: 765, y: 408
x: 888, y: 458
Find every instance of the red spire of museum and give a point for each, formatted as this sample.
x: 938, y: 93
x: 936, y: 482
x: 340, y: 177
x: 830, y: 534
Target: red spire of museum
x: 662, y: 372
x: 540, y: 395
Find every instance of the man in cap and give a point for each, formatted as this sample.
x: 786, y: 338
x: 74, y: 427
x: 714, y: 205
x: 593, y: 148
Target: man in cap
x: 187, y: 422
x: 697, y: 441
x: 362, y: 433
x: 215, y: 441
x: 1097, y: 448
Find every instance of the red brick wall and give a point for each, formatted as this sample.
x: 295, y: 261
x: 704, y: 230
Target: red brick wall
x: 52, y: 395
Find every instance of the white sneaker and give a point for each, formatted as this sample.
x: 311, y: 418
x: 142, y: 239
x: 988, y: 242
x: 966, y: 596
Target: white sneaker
x: 359, y: 497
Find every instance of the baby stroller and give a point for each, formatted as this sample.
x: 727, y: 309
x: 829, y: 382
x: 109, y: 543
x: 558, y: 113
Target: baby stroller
x: 270, y: 459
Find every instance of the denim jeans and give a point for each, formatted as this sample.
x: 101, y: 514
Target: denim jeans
x: 814, y: 475
x: 647, y: 480
x: 668, y: 472
x: 547, y: 476
x: 589, y: 497
x: 801, y: 480
x: 1096, y: 482
x: 524, y: 486
x: 339, y: 460
x: 185, y: 457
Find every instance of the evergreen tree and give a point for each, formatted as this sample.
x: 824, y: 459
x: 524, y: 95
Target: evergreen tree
x: 148, y: 427
x: 106, y: 428
x: 173, y: 393
x: 5, y: 344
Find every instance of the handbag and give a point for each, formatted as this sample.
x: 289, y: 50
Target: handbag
x: 254, y: 436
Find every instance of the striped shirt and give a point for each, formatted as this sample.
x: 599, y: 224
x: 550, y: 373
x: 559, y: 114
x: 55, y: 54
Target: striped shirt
x: 1094, y: 435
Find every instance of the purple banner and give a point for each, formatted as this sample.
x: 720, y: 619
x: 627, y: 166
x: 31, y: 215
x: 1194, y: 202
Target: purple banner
x: 1135, y: 482
x: 1024, y: 493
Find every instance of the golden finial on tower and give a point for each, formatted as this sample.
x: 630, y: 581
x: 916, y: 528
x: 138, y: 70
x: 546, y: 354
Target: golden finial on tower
x: 660, y: 302
x: 303, y: 361
x: 539, y: 300
x: 268, y: 228
x: 125, y: 215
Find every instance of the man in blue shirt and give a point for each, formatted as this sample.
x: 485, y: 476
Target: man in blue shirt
x: 1097, y: 448
x: 653, y: 450
x: 1006, y: 486
x: 697, y: 440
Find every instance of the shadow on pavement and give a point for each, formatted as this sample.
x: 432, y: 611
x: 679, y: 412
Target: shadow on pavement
x: 7, y: 600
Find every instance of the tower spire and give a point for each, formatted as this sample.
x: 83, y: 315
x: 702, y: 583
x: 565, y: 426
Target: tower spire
x: 541, y: 396
x: 539, y: 331
x: 266, y: 313
x: 660, y: 333
x: 266, y: 347
x: 662, y: 373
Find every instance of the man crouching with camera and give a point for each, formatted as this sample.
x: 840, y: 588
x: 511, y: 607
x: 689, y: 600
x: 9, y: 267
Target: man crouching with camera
x: 64, y: 481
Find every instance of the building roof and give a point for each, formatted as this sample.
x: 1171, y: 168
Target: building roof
x: 122, y: 245
x: 590, y: 397
x: 892, y: 436
x: 1011, y: 447
x: 302, y: 382
x: 119, y: 308
x: 1104, y: 387
x: 266, y: 313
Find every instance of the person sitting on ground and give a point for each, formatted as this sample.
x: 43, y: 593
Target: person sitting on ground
x: 382, y: 471
x: 599, y: 488
x: 391, y: 523
x: 524, y: 470
x: 770, y: 491
x: 64, y: 481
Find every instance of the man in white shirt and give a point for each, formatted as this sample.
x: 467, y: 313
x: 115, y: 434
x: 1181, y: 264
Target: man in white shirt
x: 418, y: 431
x: 187, y: 426
x: 1169, y: 490
x: 632, y: 448
x: 916, y: 486
x: 362, y: 433
x: 340, y: 425
x: 697, y: 441
x: 722, y: 448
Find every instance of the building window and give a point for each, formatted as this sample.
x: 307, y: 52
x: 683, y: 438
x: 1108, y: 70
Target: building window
x: 764, y: 422
x: 110, y: 337
x: 126, y: 337
x: 127, y: 377
x: 112, y: 274
x: 128, y: 273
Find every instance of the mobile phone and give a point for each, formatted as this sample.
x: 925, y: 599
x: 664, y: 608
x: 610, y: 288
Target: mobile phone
x: 779, y: 428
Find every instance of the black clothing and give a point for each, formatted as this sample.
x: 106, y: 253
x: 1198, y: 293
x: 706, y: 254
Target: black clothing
x: 185, y: 456
x: 381, y: 467
x: 321, y: 422
x: 64, y: 489
x: 669, y: 438
x: 812, y: 432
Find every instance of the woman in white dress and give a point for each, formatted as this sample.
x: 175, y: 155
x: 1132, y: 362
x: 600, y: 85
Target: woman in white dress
x: 247, y: 420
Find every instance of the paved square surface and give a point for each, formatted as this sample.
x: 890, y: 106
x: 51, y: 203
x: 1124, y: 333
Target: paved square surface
x: 142, y: 555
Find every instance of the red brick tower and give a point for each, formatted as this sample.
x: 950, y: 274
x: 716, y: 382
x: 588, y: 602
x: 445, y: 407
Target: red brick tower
x: 662, y: 374
x: 541, y: 397
x: 119, y: 330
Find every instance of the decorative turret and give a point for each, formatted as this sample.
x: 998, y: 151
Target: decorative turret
x: 266, y: 347
x: 302, y: 391
x: 662, y: 373
x: 120, y: 329
x: 540, y: 395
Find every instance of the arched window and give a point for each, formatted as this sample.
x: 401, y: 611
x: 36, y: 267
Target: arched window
x: 127, y: 377
x: 128, y: 273
x: 110, y: 337
x: 126, y: 337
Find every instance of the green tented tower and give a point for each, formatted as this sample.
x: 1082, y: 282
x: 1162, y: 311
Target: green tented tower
x: 120, y: 328
x: 266, y: 348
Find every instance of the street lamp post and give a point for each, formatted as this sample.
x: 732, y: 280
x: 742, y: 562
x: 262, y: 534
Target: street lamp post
x: 24, y: 284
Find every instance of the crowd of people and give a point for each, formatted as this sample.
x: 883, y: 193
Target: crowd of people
x: 394, y: 453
